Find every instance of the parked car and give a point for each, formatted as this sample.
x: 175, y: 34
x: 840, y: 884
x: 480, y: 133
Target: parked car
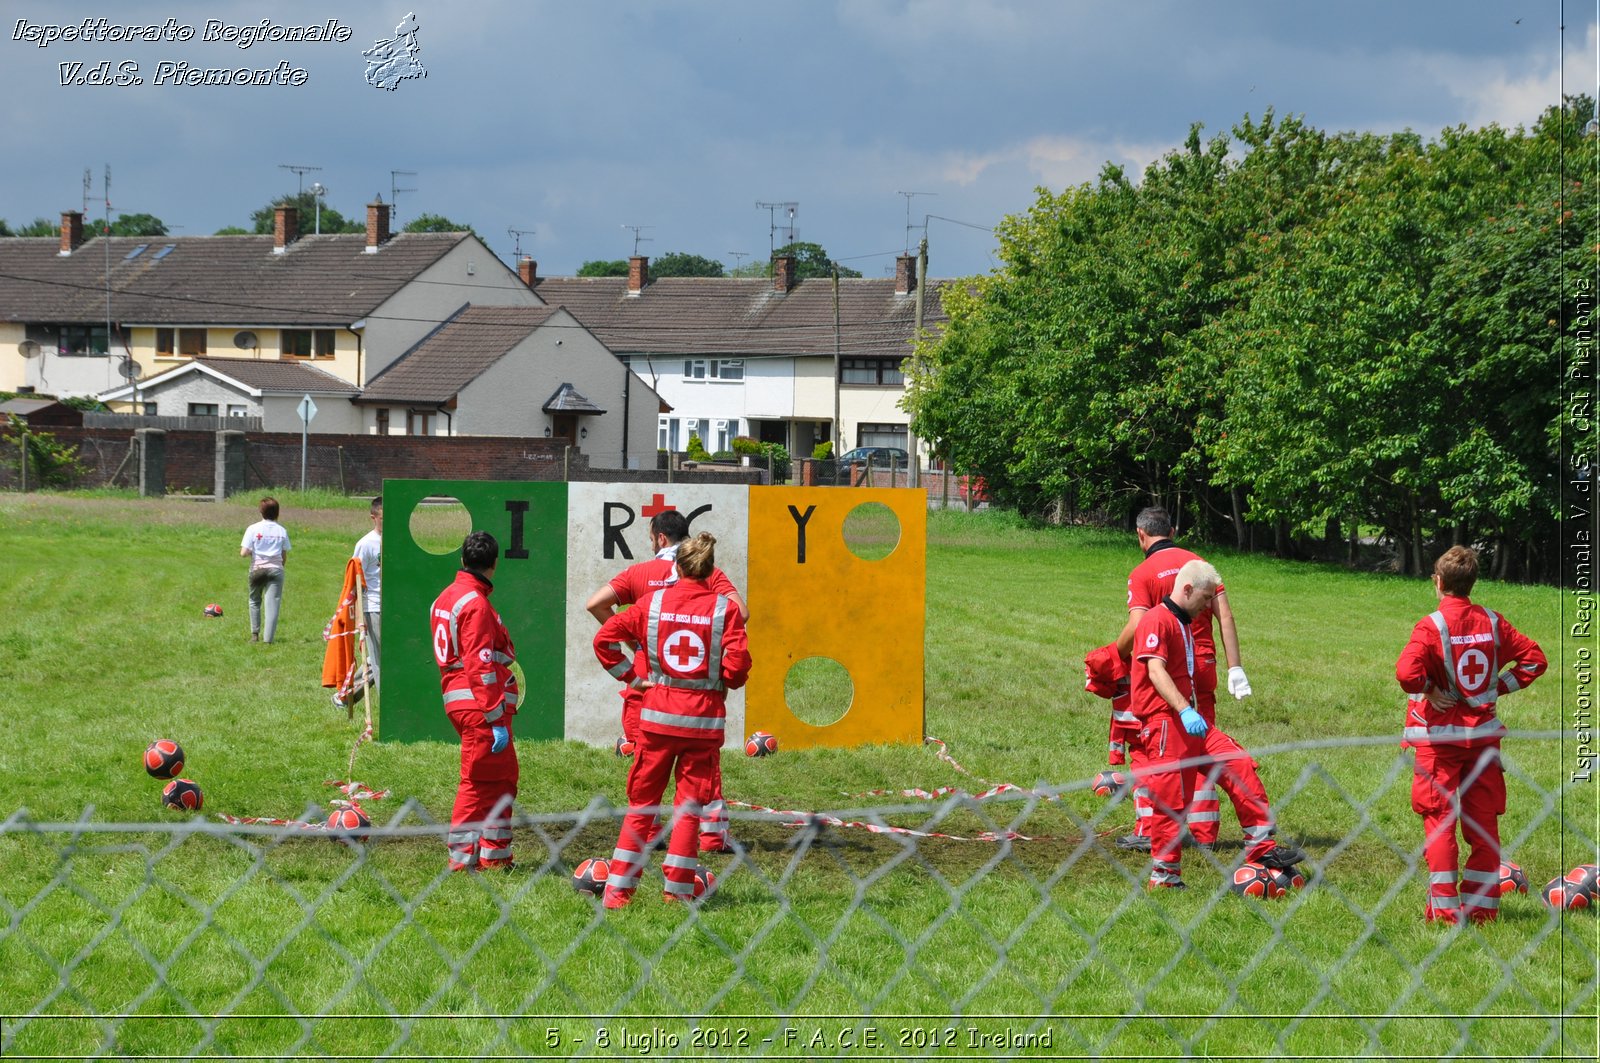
x: 880, y: 457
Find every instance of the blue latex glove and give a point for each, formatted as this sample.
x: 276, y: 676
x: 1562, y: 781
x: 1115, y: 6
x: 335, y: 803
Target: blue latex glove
x: 502, y: 738
x: 1193, y: 722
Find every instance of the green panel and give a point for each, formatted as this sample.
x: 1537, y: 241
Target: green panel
x: 530, y: 522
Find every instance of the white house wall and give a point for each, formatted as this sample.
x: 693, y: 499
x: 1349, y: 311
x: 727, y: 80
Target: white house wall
x: 336, y: 415
x: 69, y: 375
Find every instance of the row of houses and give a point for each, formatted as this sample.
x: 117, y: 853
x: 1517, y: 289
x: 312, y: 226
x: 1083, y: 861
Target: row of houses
x: 431, y: 334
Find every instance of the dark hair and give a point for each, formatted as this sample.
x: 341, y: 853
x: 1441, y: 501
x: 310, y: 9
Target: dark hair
x: 697, y: 557
x: 269, y: 508
x: 1154, y: 520
x: 1457, y: 569
x: 377, y: 505
x: 671, y: 523
x: 479, y: 552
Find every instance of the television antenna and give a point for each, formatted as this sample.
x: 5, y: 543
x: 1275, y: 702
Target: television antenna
x: 738, y: 257
x: 789, y: 208
x: 517, y: 235
x: 301, y: 171
x: 909, y: 226
x: 394, y: 193
x: 637, y: 238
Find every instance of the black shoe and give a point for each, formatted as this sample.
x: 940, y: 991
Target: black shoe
x: 1282, y: 857
x: 1134, y: 843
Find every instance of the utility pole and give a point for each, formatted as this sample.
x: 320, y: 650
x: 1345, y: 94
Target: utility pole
x: 915, y: 478
x: 838, y: 429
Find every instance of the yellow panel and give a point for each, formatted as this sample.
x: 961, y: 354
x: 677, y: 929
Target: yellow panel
x: 809, y: 596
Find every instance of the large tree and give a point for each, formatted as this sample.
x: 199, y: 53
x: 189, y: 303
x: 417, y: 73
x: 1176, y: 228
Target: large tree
x: 330, y: 221
x: 596, y: 267
x: 683, y: 264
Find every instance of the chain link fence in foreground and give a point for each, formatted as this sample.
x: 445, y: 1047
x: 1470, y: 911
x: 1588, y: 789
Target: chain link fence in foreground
x: 947, y: 926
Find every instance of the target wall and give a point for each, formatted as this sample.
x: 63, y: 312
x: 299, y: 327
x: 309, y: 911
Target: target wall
x: 811, y: 598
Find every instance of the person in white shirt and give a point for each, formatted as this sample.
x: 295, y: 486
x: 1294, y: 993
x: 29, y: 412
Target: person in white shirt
x: 369, y: 551
x: 266, y: 544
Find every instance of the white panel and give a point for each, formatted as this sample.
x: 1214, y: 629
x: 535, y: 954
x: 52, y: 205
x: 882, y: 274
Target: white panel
x: 608, y: 530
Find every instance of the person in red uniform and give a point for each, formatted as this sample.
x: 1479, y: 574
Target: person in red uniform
x: 695, y: 652
x: 1452, y: 670
x: 1228, y: 765
x: 668, y: 529
x: 475, y: 654
x: 1162, y: 684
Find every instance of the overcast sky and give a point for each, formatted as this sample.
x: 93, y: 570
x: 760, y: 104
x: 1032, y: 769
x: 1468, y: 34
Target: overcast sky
x: 576, y: 119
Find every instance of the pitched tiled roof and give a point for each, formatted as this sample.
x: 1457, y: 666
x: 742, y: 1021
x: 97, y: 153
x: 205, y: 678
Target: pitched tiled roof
x: 211, y: 280
x: 744, y: 316
x: 568, y: 399
x: 455, y: 354
x: 265, y: 375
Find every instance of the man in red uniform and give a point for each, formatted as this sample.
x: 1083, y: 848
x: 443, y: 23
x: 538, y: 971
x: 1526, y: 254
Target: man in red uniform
x: 1162, y: 684
x: 474, y: 653
x: 695, y: 651
x: 1228, y: 765
x: 668, y: 529
x: 1451, y: 670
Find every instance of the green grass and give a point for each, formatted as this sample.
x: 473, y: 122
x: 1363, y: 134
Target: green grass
x: 234, y: 944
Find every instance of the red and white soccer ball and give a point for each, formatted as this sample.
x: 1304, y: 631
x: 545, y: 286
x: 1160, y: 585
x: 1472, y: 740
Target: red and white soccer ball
x: 213, y: 610
x: 182, y: 795
x: 1110, y: 783
x: 625, y: 747
x: 1576, y: 889
x: 591, y: 875
x: 1251, y: 879
x: 349, y: 822
x: 1512, y: 878
x: 163, y: 758
x: 760, y: 744
x: 704, y: 883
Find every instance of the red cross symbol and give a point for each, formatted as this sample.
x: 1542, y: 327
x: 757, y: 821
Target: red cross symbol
x: 658, y: 504
x: 685, y: 652
x: 1472, y: 669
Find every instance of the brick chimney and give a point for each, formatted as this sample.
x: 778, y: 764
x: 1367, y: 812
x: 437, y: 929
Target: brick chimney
x: 71, y: 231
x: 528, y: 270
x: 285, y: 227
x: 638, y: 274
x: 783, y: 279
x: 905, y: 274
x: 377, y: 225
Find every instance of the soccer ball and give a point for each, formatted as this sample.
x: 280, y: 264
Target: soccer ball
x: 760, y: 744
x: 349, y: 821
x: 704, y: 881
x: 591, y: 875
x: 163, y: 758
x: 1575, y: 889
x: 624, y: 747
x: 1512, y: 878
x: 213, y: 609
x: 1251, y: 879
x: 1110, y: 783
x: 182, y: 795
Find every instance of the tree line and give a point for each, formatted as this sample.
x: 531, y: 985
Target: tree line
x: 1297, y: 340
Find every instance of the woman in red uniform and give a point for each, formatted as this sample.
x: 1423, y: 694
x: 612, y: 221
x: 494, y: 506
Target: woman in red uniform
x: 695, y: 650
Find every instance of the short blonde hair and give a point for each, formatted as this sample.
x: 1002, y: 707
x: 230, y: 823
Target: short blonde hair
x: 1197, y: 574
x: 697, y: 556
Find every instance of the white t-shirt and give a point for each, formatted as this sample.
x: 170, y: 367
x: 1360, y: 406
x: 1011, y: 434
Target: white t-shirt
x: 267, y: 542
x: 369, y: 551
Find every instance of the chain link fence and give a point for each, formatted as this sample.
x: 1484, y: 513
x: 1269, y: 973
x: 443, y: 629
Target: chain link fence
x: 939, y: 925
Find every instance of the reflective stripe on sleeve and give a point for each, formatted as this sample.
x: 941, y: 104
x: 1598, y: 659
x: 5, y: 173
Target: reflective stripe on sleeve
x: 461, y: 694
x: 494, y: 714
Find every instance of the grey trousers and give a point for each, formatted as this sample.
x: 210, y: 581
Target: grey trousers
x: 372, y: 643
x: 266, y: 594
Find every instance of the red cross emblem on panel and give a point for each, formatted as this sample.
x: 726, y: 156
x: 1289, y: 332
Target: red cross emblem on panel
x: 657, y: 504
x: 1472, y: 670
x: 684, y: 652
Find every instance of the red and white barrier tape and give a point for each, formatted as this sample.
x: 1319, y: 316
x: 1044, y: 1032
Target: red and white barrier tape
x: 356, y: 792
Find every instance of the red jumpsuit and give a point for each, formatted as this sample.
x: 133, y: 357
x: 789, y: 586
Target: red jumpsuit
x: 474, y: 654
x: 1459, y: 649
x: 695, y: 650
x: 634, y: 584
x: 1229, y: 766
x: 1106, y: 676
x: 1163, y: 633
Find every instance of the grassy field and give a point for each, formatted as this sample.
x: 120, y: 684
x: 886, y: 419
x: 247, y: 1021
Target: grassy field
x: 244, y: 943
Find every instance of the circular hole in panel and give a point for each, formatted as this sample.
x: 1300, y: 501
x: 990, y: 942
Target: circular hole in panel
x: 439, y: 525
x: 871, y: 531
x: 818, y: 690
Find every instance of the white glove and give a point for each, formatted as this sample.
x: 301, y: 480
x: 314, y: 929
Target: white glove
x: 1238, y: 684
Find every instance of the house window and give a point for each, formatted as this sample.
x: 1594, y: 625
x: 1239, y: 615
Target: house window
x: 713, y: 369
x: 164, y: 342
x: 202, y: 409
x: 83, y: 340
x: 149, y: 409
x: 875, y: 371
x: 307, y: 343
x: 667, y: 437
x: 694, y: 369
x: 881, y: 435
x: 192, y: 342
x: 722, y: 433
x: 237, y: 411
x: 383, y: 420
x: 419, y: 422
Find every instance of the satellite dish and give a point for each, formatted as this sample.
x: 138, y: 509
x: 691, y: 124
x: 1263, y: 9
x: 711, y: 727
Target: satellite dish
x: 246, y: 341
x: 29, y: 348
x: 131, y: 369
